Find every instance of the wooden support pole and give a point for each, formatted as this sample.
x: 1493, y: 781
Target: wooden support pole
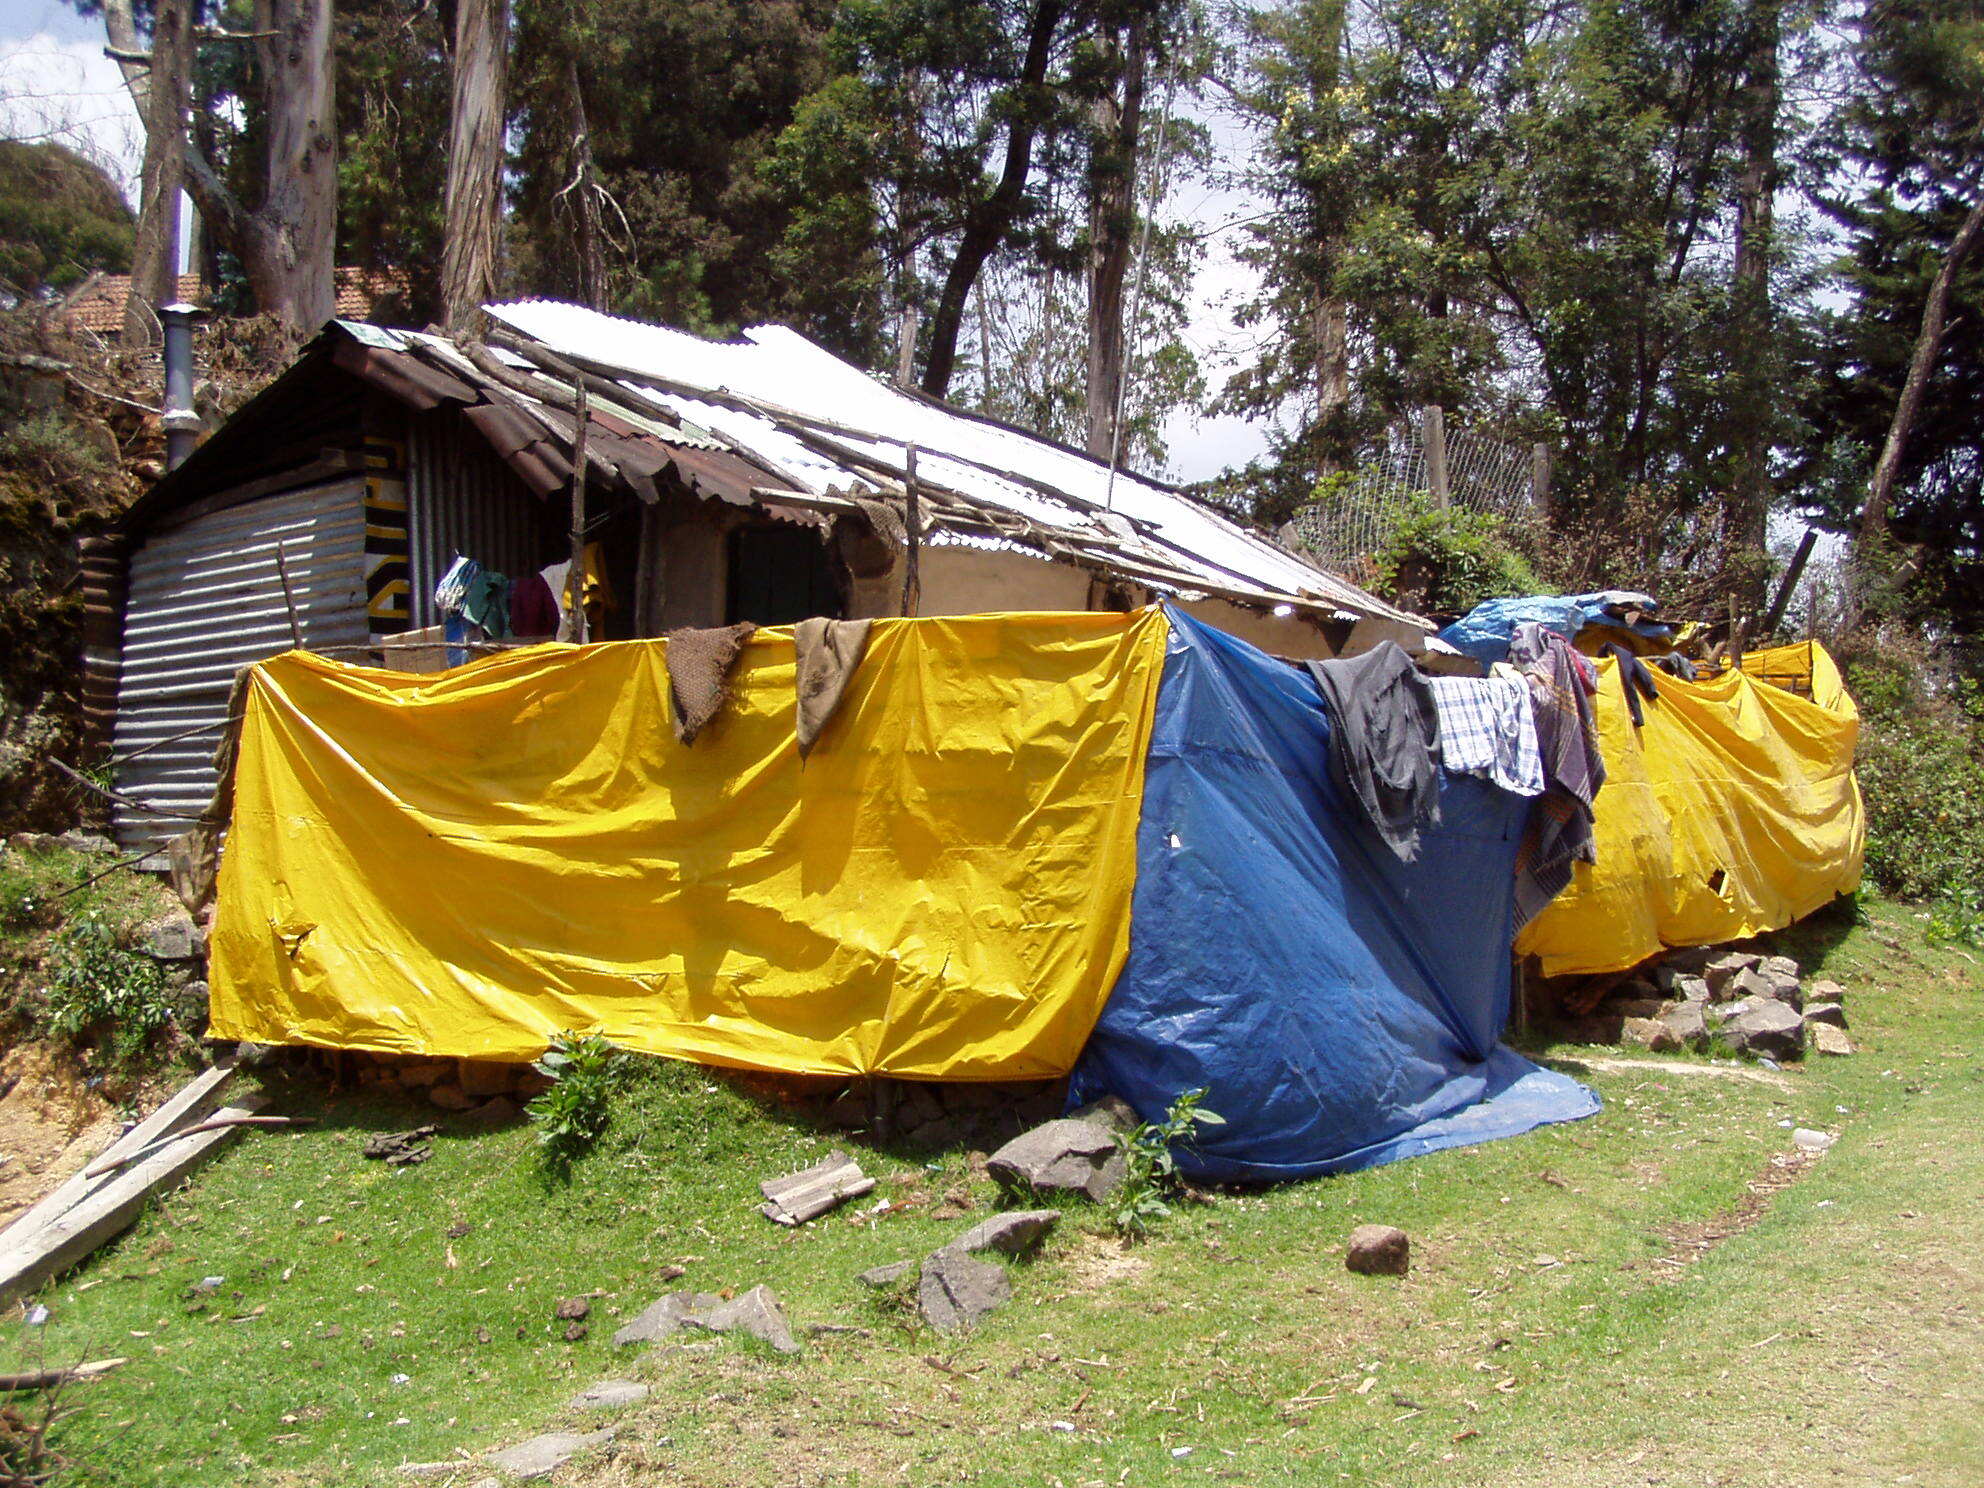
x: 1539, y: 476
x: 1788, y: 585
x: 573, y: 627
x: 289, y: 600
x: 1433, y: 431
x: 912, y: 579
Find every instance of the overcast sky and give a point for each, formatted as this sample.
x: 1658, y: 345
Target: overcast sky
x: 55, y: 83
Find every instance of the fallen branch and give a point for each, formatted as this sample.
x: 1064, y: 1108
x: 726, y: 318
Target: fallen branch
x: 112, y: 1164
x: 48, y: 1379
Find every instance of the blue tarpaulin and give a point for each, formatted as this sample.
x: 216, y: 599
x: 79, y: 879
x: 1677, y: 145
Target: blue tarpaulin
x: 1341, y: 1008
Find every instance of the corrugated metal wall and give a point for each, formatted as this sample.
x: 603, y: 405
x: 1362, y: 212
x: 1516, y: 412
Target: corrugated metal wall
x: 205, y: 600
x: 462, y: 499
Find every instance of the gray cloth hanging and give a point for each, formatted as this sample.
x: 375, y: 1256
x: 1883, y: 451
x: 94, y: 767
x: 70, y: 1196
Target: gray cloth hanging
x: 1384, y: 729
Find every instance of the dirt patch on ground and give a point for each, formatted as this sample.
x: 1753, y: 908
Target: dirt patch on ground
x: 1690, y: 1240
x: 51, y: 1124
x: 1100, y: 1261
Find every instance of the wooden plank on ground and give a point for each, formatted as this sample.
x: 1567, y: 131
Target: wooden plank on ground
x: 812, y: 1191
x: 109, y: 1211
x: 199, y: 1096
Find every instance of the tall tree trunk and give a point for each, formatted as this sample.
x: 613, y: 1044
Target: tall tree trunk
x: 988, y: 224
x: 1748, y: 510
x: 1331, y: 327
x: 155, y: 254
x: 1921, y: 366
x: 293, y: 274
x: 584, y: 188
x: 1112, y: 220
x: 288, y: 244
x: 474, y: 216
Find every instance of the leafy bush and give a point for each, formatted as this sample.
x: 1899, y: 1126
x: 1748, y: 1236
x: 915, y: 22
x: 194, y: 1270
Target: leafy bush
x: 1445, y: 561
x: 1921, y: 765
x: 99, y: 991
x: 586, y: 1071
x: 1150, y: 1180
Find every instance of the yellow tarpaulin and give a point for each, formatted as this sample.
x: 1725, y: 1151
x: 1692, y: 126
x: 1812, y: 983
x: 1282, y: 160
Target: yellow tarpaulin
x: 1733, y: 810
x: 470, y: 862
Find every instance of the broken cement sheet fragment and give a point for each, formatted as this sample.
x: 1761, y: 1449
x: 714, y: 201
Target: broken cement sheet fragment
x: 699, y: 663
x: 812, y: 1191
x: 756, y: 1312
x: 665, y: 1316
x: 542, y: 1456
x: 827, y: 652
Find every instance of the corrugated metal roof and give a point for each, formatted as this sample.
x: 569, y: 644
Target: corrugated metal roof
x: 829, y: 427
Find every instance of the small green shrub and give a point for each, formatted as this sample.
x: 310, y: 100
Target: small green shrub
x: 1150, y: 1180
x: 1921, y: 766
x: 1445, y: 561
x: 586, y: 1071
x: 99, y: 991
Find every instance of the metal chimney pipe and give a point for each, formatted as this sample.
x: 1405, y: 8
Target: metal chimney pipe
x: 182, y: 424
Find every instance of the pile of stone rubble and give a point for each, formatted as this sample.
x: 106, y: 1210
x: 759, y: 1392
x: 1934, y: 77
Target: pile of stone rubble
x: 1742, y: 1002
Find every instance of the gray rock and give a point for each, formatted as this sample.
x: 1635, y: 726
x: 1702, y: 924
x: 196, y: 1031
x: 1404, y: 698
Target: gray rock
x: 1631, y: 1008
x: 1830, y: 1040
x: 497, y: 1111
x: 1650, y: 1034
x: 1785, y: 989
x: 1378, y: 1250
x: 1724, y: 968
x: 542, y: 1456
x: 1782, y: 966
x: 756, y: 1312
x: 1767, y: 1027
x: 956, y: 1290
x: 77, y: 840
x: 1691, y: 960
x: 1825, y: 991
x: 879, y: 1277
x: 1825, y: 1012
x: 1687, y: 1022
x: 34, y: 842
x: 1012, y: 1234
x: 451, y: 1097
x: 1064, y: 1156
x: 1691, y: 989
x: 174, y: 938
x: 1112, y: 1111
x: 1748, y: 982
x: 609, y: 1395
x: 665, y: 1316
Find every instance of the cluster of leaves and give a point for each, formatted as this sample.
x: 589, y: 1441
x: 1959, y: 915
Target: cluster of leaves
x: 101, y: 992
x: 1150, y: 1178
x: 586, y: 1072
x: 1444, y: 561
x: 1921, y: 765
x: 66, y: 220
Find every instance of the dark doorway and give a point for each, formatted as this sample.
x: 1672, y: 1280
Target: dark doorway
x: 780, y: 574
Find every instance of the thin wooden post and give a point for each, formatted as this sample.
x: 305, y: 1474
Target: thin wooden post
x: 912, y: 579
x: 289, y: 600
x: 1789, y: 584
x: 1539, y: 476
x: 573, y: 626
x: 1433, y: 431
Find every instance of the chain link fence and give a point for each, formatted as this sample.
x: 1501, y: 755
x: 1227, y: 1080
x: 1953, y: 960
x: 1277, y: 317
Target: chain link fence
x: 1356, y: 518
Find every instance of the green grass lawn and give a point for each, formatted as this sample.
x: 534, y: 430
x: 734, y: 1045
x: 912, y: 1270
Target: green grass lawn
x: 1588, y: 1304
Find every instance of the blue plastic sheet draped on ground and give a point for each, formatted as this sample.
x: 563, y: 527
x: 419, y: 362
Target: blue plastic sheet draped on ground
x: 1342, y: 1008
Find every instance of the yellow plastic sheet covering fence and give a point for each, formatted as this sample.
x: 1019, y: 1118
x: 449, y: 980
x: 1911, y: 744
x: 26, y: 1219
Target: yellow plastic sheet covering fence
x: 467, y: 863
x: 1732, y: 811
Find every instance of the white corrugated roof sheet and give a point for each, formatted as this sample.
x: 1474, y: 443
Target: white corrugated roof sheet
x: 1068, y: 496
